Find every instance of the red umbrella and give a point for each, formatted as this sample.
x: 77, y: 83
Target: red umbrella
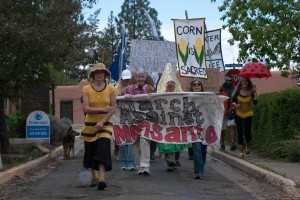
x: 255, y: 70
x: 234, y: 74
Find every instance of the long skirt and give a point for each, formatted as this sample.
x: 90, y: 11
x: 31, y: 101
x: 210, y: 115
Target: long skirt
x: 97, y: 152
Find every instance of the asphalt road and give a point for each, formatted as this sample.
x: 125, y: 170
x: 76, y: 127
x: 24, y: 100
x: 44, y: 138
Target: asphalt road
x: 67, y: 179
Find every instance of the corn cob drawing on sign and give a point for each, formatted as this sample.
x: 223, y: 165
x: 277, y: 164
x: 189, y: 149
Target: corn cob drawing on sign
x: 183, y: 50
x: 199, y: 51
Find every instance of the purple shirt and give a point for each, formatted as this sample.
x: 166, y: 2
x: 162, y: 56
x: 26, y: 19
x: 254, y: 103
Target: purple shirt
x: 134, y: 89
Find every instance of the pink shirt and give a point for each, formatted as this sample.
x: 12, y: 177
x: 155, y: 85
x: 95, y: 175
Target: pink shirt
x: 134, y: 89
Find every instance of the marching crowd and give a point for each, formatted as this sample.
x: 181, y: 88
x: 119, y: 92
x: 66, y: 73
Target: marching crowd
x: 99, y: 104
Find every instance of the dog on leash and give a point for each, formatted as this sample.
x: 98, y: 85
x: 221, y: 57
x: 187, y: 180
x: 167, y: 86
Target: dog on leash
x: 68, y: 142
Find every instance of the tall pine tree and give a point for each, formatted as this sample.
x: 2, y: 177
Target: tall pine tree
x: 136, y: 23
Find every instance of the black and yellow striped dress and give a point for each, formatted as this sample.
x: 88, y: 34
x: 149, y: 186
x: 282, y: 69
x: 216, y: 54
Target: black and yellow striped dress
x: 97, y: 99
x: 97, y: 141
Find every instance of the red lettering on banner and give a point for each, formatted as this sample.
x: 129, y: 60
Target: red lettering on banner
x: 173, y: 135
x: 147, y: 130
x: 135, y: 132
x: 211, y: 135
x: 199, y: 131
x: 122, y: 134
x: 156, y: 133
x: 184, y: 131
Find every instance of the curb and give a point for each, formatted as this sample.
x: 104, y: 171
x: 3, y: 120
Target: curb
x: 281, y: 183
x: 21, y: 170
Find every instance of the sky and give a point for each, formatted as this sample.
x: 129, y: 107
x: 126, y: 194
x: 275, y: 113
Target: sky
x: 175, y: 9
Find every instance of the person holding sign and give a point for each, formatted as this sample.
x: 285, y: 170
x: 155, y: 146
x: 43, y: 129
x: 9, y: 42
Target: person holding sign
x: 200, y: 150
x: 141, y: 146
x: 99, y: 104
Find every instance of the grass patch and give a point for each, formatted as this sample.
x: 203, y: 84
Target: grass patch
x: 15, y: 159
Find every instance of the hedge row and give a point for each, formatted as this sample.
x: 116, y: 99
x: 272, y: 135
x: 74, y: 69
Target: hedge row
x: 275, y: 123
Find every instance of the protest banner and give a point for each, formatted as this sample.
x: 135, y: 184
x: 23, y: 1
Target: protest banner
x: 213, y: 48
x: 152, y: 55
x: 190, y: 48
x: 174, y: 117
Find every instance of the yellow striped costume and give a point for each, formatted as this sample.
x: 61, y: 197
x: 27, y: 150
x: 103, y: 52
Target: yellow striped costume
x: 97, y: 99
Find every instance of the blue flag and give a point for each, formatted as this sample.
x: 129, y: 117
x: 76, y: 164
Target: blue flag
x: 119, y: 63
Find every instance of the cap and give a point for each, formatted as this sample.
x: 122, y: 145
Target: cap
x: 126, y: 74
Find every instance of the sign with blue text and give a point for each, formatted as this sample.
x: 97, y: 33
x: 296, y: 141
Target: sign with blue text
x: 38, y: 125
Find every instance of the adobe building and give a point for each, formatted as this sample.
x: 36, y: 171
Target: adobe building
x: 68, y: 98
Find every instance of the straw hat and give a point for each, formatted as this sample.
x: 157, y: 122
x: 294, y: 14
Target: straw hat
x: 99, y: 67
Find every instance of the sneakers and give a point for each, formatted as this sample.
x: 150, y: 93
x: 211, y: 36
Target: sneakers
x: 170, y: 169
x: 131, y: 166
x: 222, y: 148
x: 94, y: 182
x: 101, y: 185
x: 177, y: 164
x: 144, y: 171
x: 123, y: 165
x: 198, y: 177
x: 232, y: 147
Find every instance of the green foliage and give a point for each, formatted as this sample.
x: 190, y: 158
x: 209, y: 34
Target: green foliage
x: 276, y: 122
x: 264, y: 29
x: 286, y: 149
x: 108, y: 44
x: 57, y: 128
x: 16, y: 126
x: 136, y: 22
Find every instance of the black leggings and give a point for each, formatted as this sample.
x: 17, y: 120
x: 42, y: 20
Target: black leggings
x: 243, y: 125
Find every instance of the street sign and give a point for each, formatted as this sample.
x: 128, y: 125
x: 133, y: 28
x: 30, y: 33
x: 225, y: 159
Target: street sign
x: 38, y: 125
x: 233, y: 65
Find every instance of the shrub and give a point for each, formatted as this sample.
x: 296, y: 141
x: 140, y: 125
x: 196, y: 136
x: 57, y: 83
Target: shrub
x: 57, y: 128
x: 16, y: 126
x: 276, y: 122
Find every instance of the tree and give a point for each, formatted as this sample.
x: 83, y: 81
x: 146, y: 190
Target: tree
x: 33, y: 36
x: 108, y: 43
x: 136, y: 22
x: 264, y: 29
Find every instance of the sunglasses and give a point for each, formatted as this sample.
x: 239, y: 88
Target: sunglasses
x: 196, y: 84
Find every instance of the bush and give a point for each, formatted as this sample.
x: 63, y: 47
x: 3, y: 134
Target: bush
x: 16, y: 126
x: 57, y: 128
x: 275, y: 123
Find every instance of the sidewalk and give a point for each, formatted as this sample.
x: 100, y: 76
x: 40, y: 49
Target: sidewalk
x: 282, y: 175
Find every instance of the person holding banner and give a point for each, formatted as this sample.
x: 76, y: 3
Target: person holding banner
x: 200, y: 150
x: 126, y: 153
x: 141, y: 146
x: 172, y: 151
x: 99, y: 104
x: 226, y: 89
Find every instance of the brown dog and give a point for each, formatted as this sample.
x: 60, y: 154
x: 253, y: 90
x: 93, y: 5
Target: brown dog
x: 69, y: 142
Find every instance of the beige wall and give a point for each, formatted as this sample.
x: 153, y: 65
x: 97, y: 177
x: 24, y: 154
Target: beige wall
x: 70, y: 93
x: 272, y: 84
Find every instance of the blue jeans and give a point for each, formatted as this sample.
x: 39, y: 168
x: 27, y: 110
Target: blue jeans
x: 126, y: 156
x: 200, y: 152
